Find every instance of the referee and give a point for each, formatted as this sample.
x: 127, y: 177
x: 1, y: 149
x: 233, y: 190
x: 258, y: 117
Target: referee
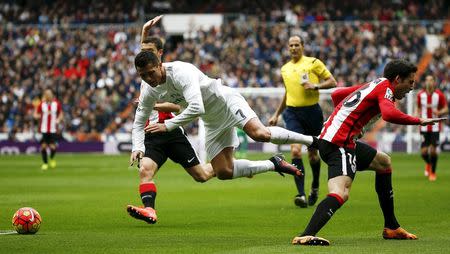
x: 303, y: 76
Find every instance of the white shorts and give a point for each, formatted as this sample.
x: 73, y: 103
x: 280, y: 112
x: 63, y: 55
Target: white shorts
x: 220, y: 123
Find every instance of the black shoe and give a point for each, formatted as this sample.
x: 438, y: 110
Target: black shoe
x: 313, y: 196
x: 300, y: 200
x: 281, y: 166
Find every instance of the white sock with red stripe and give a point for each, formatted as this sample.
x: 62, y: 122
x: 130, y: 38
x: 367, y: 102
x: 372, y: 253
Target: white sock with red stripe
x: 280, y: 136
x: 248, y: 168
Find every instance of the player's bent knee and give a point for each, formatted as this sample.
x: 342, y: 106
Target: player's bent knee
x: 146, y: 172
x: 384, y: 160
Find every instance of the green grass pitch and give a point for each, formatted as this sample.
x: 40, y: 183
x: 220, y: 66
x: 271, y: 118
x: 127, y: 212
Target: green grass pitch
x: 82, y: 203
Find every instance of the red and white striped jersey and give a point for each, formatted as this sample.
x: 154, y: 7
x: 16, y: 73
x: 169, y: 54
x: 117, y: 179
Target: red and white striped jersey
x: 427, y: 104
x: 360, y: 105
x: 49, y: 112
x: 159, y: 117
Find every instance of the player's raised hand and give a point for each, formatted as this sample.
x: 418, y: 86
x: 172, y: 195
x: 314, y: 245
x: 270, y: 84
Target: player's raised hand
x: 149, y: 24
x: 136, y: 156
x: 155, y: 128
x: 431, y: 121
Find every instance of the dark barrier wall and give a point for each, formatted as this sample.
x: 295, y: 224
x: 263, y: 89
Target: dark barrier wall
x: 10, y: 147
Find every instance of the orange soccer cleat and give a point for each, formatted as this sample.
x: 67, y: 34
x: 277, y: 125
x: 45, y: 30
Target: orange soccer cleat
x: 427, y: 169
x: 310, y: 240
x: 398, y: 234
x: 432, y: 177
x: 146, y: 214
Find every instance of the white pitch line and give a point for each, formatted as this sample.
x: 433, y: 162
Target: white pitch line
x: 7, y: 232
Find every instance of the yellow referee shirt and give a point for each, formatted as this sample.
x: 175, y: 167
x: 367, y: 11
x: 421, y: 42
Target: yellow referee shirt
x: 294, y: 74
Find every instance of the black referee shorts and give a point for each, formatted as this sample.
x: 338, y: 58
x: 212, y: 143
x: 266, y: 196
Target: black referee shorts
x: 173, y: 145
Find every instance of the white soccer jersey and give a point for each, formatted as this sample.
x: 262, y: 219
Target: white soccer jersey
x: 185, y: 85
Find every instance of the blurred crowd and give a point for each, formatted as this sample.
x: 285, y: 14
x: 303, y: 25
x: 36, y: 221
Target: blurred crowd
x: 115, y: 11
x: 90, y: 68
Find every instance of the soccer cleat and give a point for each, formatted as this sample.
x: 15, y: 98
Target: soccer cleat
x: 300, y: 200
x: 44, y: 166
x: 146, y: 214
x: 427, y: 169
x: 398, y: 234
x: 52, y: 163
x: 432, y: 177
x: 281, y: 166
x: 313, y: 196
x: 310, y: 240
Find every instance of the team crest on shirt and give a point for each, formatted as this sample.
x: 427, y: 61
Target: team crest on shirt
x: 389, y: 94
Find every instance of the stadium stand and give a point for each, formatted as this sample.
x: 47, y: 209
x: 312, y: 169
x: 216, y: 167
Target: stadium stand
x: 90, y: 66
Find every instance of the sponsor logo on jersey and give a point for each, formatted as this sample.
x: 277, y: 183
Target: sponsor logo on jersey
x: 389, y: 94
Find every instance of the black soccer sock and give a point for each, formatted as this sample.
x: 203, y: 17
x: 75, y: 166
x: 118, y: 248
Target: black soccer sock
x: 315, y: 167
x: 44, y: 155
x: 323, y: 214
x: 433, y: 161
x: 383, y: 186
x: 299, y: 180
x: 426, y: 157
x: 52, y: 153
x: 148, y: 194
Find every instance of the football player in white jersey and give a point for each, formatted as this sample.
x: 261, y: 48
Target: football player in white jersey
x: 221, y: 108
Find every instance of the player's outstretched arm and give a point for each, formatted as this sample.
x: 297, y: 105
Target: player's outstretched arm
x: 167, y: 107
x: 148, y: 25
x: 431, y: 121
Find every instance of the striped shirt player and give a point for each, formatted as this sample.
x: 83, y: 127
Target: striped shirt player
x: 366, y: 102
x: 49, y: 112
x: 431, y: 102
x: 337, y: 144
x: 428, y: 104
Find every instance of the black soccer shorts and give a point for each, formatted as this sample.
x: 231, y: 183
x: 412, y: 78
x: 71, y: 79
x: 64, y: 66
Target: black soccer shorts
x: 429, y: 138
x: 364, y: 155
x: 345, y: 161
x: 173, y: 145
x: 341, y: 161
x: 49, y: 138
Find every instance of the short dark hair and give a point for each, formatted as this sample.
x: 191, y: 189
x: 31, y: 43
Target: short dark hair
x: 398, y: 67
x: 301, y: 39
x: 155, y: 40
x: 144, y: 58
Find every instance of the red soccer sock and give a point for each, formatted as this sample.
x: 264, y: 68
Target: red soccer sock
x: 148, y: 194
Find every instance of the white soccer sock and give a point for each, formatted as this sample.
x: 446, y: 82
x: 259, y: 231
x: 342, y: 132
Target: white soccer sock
x: 281, y: 136
x: 249, y: 168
